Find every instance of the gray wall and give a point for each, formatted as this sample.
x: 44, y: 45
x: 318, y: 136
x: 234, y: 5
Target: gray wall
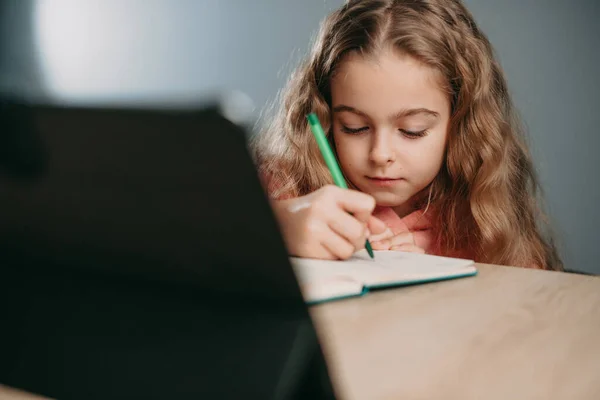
x: 549, y: 50
x: 130, y: 50
x: 135, y: 50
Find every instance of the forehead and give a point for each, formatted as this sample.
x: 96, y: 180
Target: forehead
x: 387, y: 83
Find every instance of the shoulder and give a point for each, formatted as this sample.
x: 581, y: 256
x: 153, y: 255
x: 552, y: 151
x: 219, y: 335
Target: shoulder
x: 274, y: 186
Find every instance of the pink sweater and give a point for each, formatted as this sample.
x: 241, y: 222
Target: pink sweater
x: 421, y: 227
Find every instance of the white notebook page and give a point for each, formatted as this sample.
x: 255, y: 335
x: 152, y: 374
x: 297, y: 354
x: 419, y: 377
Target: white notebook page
x: 387, y: 267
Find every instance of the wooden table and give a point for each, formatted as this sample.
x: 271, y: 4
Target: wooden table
x: 8, y: 393
x: 508, y: 333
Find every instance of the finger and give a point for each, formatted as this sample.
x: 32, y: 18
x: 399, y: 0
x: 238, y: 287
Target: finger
x: 401, y: 239
x: 395, y: 241
x: 324, y: 254
x: 338, y: 246
x: 409, y: 248
x: 380, y: 245
x: 361, y: 205
x: 423, y: 239
x: 387, y: 234
x: 314, y: 250
x: 348, y: 227
x: 376, y: 226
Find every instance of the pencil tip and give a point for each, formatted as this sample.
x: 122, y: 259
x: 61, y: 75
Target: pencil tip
x: 369, y: 249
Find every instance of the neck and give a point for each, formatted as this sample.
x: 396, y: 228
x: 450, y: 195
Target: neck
x: 404, y: 209
x: 413, y: 203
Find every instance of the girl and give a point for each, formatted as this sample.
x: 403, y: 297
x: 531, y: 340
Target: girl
x: 418, y: 112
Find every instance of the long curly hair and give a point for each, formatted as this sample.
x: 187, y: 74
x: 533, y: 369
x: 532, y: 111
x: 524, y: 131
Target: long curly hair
x: 486, y: 193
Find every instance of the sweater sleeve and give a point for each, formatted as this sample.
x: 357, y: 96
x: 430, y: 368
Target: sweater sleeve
x: 272, y: 187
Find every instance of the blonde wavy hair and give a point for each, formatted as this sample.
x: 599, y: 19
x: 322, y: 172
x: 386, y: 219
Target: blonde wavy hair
x: 487, y: 189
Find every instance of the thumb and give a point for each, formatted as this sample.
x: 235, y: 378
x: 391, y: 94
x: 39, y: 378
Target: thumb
x: 376, y: 226
x: 359, y: 204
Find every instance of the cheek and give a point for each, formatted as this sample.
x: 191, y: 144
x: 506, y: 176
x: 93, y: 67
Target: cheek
x: 437, y: 152
x: 428, y: 158
x: 350, y: 152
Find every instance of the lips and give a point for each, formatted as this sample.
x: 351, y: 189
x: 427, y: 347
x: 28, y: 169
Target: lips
x: 383, y: 180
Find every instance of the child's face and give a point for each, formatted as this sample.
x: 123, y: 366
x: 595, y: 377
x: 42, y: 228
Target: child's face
x: 390, y: 125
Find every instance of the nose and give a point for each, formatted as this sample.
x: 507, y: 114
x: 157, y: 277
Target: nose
x: 382, y: 152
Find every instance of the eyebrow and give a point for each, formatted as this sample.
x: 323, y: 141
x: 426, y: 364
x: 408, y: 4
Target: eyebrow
x: 409, y: 112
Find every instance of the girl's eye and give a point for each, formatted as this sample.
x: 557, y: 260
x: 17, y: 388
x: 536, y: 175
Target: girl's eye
x: 354, y: 130
x: 414, y: 134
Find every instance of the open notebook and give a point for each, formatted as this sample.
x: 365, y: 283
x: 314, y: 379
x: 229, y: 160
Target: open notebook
x: 322, y: 280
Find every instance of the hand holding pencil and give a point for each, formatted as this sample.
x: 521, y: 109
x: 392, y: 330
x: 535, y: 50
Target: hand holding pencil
x: 330, y: 160
x: 332, y: 222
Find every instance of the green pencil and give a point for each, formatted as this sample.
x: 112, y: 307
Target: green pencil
x: 334, y: 168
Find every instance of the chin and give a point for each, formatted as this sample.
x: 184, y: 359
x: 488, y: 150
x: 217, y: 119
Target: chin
x: 386, y: 198
x: 389, y: 199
